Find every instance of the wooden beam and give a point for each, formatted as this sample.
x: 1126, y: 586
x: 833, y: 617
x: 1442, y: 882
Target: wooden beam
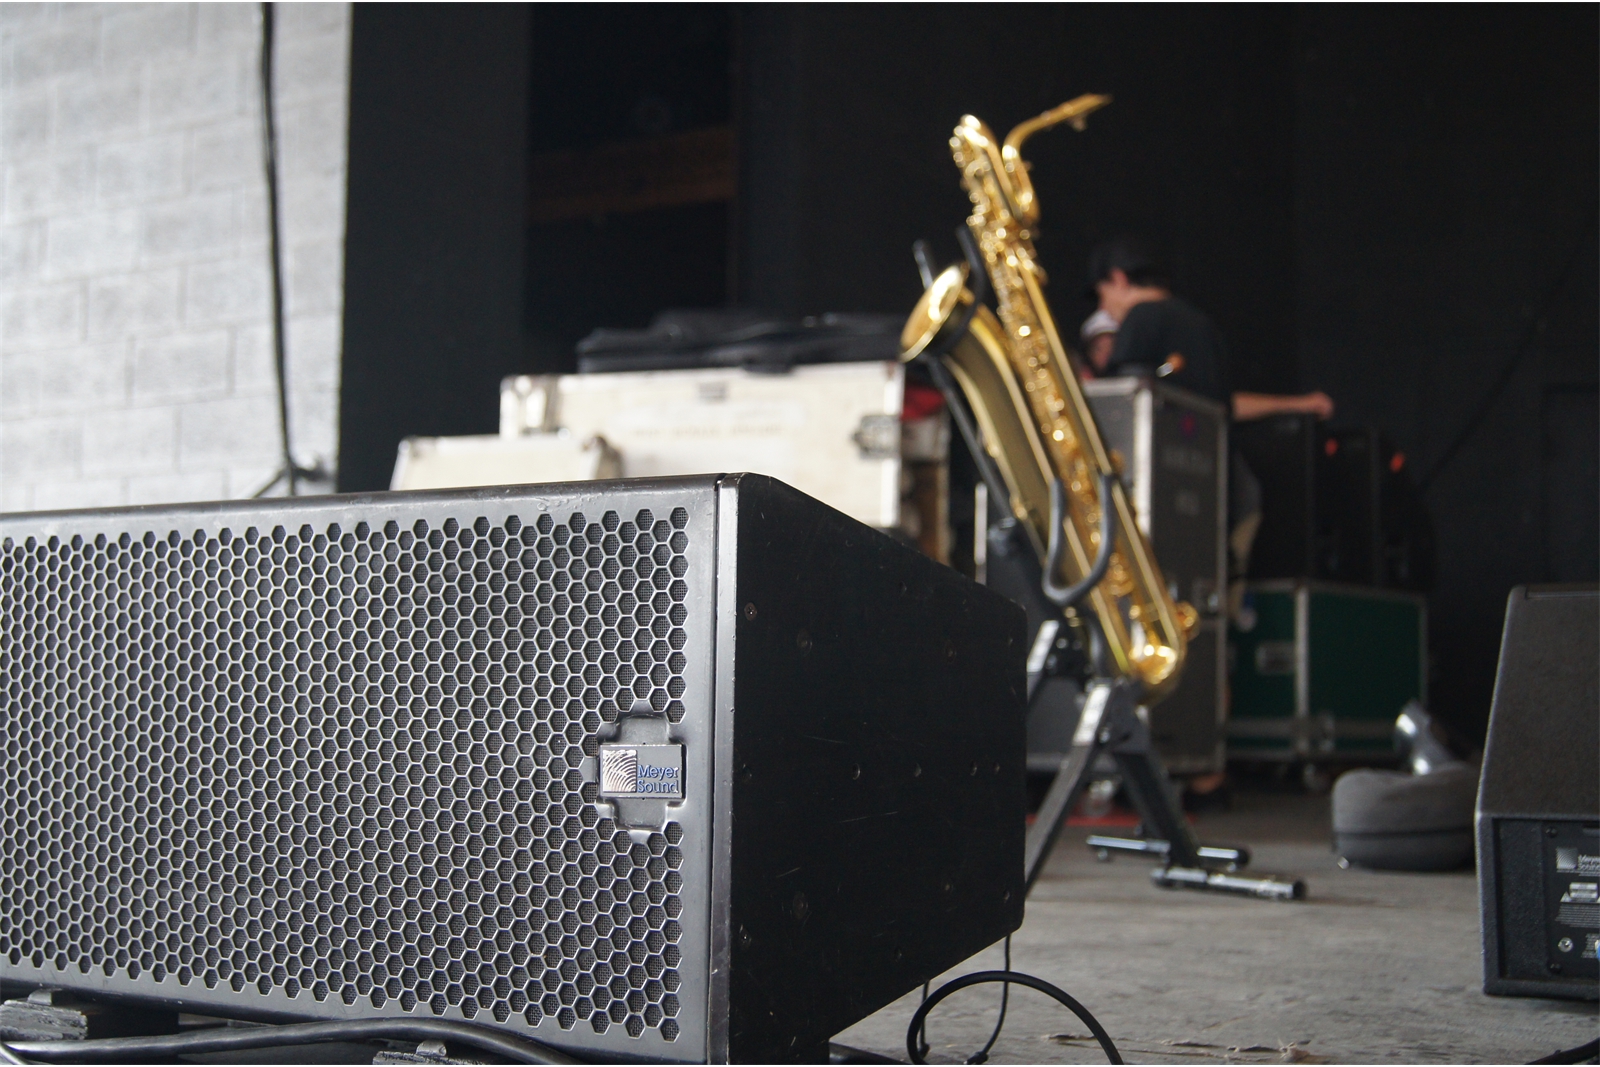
x: 694, y: 167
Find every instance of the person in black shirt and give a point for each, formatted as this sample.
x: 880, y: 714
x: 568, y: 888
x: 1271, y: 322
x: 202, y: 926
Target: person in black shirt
x: 1169, y: 337
x: 1166, y: 336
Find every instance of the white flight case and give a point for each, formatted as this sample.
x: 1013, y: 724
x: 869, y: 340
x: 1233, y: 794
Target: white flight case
x: 833, y: 431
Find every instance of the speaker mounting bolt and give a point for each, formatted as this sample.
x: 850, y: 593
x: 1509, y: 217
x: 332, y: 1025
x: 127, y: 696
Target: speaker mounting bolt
x: 749, y: 611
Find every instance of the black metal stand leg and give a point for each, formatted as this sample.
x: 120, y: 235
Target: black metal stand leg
x: 1065, y: 789
x: 1159, y: 811
x: 1227, y: 858
x: 1110, y: 722
x: 1104, y: 704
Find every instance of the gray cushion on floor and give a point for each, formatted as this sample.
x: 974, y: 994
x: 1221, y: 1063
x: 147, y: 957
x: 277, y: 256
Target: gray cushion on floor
x: 1400, y: 821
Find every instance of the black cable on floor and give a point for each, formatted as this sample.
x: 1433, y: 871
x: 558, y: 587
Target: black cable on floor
x: 922, y: 1033
x: 982, y: 1055
x: 167, y: 1047
x: 1582, y: 1054
x: 1009, y: 977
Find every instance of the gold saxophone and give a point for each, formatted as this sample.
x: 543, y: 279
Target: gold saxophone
x: 1023, y: 389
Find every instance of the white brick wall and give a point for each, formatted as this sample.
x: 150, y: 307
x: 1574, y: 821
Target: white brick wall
x: 135, y: 344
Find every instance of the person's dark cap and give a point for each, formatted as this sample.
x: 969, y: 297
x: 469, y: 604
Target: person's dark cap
x: 1128, y: 254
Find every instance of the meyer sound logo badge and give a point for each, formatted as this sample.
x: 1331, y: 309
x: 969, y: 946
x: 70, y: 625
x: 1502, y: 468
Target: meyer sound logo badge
x: 654, y: 771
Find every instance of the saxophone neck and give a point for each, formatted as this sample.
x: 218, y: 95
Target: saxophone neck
x: 1075, y: 112
x: 1012, y: 172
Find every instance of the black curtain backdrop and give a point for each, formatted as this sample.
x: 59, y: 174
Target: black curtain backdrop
x: 434, y: 245
x: 1395, y: 204
x: 848, y: 111
x: 1445, y: 257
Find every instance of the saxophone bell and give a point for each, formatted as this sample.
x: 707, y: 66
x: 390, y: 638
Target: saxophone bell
x: 930, y: 320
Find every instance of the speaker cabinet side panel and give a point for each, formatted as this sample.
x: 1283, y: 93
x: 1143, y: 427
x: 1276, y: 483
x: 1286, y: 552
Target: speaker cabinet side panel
x: 877, y: 774
x: 1547, y: 692
x: 726, y: 648
x: 1520, y: 903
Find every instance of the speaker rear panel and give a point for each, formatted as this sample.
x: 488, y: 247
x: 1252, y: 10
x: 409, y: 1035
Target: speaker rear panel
x: 1539, y: 796
x: 334, y: 759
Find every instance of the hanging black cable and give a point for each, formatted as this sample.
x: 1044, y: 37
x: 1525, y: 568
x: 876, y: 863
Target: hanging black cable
x: 1009, y: 978
x: 289, y: 472
x: 923, y: 1047
x: 982, y: 1055
x: 1536, y: 326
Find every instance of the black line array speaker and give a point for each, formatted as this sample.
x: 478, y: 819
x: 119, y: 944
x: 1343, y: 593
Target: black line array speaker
x: 682, y: 769
x: 1337, y: 504
x: 1539, y: 799
x: 1281, y: 454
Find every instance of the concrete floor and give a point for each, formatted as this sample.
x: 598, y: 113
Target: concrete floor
x: 1374, y: 967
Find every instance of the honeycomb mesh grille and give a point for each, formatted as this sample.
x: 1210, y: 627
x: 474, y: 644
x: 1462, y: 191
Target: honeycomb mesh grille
x: 344, y: 764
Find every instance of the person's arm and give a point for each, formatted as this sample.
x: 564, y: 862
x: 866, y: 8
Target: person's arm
x: 1250, y: 406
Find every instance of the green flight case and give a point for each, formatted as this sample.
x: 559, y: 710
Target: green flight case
x: 1319, y: 671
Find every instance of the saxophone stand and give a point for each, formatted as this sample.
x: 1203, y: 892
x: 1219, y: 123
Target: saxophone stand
x: 1109, y: 721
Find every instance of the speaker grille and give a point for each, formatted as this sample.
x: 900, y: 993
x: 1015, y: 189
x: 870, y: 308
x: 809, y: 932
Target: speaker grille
x: 344, y: 764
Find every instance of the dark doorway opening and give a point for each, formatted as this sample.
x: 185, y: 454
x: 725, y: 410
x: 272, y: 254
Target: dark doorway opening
x: 631, y: 173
